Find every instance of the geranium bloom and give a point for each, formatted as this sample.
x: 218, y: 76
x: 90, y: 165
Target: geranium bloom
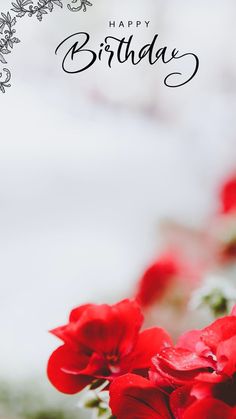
x: 134, y: 397
x: 204, y: 361
x: 103, y: 342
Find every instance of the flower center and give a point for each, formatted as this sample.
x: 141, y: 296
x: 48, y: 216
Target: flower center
x: 113, y: 363
x: 112, y: 359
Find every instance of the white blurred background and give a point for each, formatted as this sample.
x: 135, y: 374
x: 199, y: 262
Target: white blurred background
x: 91, y: 163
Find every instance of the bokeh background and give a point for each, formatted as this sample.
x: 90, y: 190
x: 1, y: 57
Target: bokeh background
x: 91, y: 164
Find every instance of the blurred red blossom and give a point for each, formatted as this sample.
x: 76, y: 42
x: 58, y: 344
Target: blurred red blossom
x: 228, y: 195
x: 162, y: 275
x: 103, y: 342
x: 156, y: 279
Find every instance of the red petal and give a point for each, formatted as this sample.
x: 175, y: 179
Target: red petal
x: 78, y: 311
x: 209, y: 409
x: 183, y: 360
x: 180, y: 400
x: 226, y: 356
x: 150, y: 342
x: 67, y: 335
x: 64, y: 358
x: 134, y: 397
x: 221, y: 329
x: 176, y: 366
x: 189, y: 340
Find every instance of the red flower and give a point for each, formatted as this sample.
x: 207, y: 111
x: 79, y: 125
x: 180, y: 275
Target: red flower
x: 103, y: 342
x: 134, y: 397
x: 228, y: 196
x: 156, y: 280
x: 204, y: 360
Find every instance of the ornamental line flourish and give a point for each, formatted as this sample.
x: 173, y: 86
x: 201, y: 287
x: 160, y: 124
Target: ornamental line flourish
x: 23, y: 8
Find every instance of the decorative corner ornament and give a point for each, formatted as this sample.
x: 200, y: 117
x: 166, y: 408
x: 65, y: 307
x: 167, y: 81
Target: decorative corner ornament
x: 23, y: 8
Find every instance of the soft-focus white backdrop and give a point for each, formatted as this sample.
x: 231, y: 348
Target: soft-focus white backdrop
x: 90, y: 165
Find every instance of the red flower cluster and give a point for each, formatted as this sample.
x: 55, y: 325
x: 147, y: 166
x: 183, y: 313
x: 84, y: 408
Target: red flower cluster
x: 149, y: 377
x: 196, y: 378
